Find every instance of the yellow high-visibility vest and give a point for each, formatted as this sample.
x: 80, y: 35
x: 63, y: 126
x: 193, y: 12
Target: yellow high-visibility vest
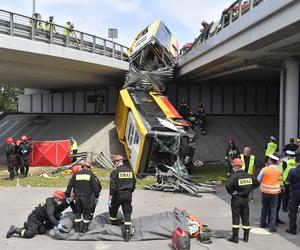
x: 74, y: 145
x: 281, y: 177
x: 251, y: 163
x: 290, y: 164
x: 271, y: 148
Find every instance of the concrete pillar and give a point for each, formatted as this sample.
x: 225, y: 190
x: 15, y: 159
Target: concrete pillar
x: 289, y: 100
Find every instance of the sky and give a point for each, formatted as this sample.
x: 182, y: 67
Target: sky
x: 183, y: 17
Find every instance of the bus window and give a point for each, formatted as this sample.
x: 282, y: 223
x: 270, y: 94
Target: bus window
x: 136, y: 138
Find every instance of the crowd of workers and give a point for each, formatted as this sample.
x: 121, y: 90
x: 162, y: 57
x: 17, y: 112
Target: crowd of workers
x: 279, y: 182
x: 82, y: 194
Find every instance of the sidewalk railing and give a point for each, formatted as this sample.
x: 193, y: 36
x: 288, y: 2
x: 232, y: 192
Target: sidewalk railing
x: 37, y: 30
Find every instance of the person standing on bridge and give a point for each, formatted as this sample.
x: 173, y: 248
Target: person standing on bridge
x: 248, y: 160
x: 122, y: 185
x: 10, y: 156
x: 293, y: 180
x: 271, y: 147
x: 50, y: 25
x: 239, y: 186
x: 269, y: 178
x: 231, y: 153
x: 25, y: 149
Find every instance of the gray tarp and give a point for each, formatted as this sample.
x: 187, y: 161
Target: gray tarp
x: 155, y: 227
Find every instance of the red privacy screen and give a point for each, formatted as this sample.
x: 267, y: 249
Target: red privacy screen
x: 50, y: 153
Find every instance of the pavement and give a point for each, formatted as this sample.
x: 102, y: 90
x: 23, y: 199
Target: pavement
x: 213, y: 210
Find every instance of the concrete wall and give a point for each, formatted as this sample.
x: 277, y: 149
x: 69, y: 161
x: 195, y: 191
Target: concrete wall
x: 228, y: 98
x: 70, y: 101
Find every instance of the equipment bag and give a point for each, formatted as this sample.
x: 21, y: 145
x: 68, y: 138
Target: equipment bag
x: 180, y: 239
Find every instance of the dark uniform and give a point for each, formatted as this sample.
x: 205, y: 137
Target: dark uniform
x: 294, y: 181
x: 10, y: 156
x: 122, y: 184
x: 44, y: 217
x: 25, y: 149
x: 231, y: 153
x: 18, y: 161
x: 86, y: 188
x: 239, y: 187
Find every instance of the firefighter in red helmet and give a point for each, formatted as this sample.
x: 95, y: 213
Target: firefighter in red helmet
x: 232, y: 152
x: 10, y: 156
x: 122, y: 185
x: 44, y: 217
x: 239, y: 186
x: 25, y: 149
x: 18, y: 160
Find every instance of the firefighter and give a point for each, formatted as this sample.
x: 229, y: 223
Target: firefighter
x: 271, y: 147
x: 293, y: 180
x: 122, y: 185
x: 44, y: 217
x: 86, y: 188
x: 10, y: 156
x: 231, y: 153
x: 25, y: 149
x: 239, y: 186
x: 290, y: 164
x: 183, y: 108
x: 74, y: 148
x: 18, y: 159
x: 248, y: 160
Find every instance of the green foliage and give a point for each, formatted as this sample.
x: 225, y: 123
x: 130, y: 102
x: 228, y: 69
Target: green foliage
x: 9, y: 98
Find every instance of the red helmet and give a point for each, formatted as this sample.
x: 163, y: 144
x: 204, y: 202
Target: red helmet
x: 9, y: 140
x: 87, y: 164
x: 60, y: 195
x: 18, y: 142
x: 237, y: 162
x: 24, y: 138
x: 75, y: 169
x: 231, y: 141
x: 116, y: 158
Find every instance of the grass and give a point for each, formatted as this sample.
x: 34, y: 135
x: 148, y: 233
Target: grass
x: 202, y: 174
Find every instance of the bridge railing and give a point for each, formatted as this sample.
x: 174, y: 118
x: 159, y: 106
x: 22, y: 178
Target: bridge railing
x: 237, y: 9
x: 17, y: 25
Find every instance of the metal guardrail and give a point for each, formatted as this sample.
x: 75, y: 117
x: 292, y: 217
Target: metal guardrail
x: 17, y: 25
x: 237, y: 9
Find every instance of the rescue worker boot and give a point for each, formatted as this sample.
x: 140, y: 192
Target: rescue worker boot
x: 246, y: 235
x: 81, y: 227
x: 77, y: 227
x: 13, y: 230
x: 85, y: 227
x: 127, y: 233
x: 235, y: 236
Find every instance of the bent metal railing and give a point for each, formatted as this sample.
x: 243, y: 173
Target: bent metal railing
x: 36, y: 30
x: 229, y: 15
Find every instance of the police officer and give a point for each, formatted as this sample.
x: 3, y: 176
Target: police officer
x: 293, y: 180
x: 122, y: 184
x: 42, y: 218
x: 271, y: 147
x: 25, y: 149
x: 239, y: 186
x: 10, y: 156
x: 290, y: 164
x: 86, y: 188
x: 290, y: 146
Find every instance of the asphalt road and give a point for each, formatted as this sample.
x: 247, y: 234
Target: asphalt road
x: 213, y: 210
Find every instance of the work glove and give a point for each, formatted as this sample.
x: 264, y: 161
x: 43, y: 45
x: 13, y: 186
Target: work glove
x: 61, y: 228
x: 109, y: 203
x: 234, y: 193
x: 69, y: 200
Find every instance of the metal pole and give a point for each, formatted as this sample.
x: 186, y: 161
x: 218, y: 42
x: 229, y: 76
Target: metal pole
x: 33, y: 7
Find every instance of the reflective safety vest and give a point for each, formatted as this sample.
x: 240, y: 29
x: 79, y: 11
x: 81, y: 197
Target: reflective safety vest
x: 73, y: 145
x: 49, y: 26
x: 270, y: 183
x: 281, y: 177
x: 251, y: 163
x: 271, y: 148
x: 67, y: 30
x: 290, y: 164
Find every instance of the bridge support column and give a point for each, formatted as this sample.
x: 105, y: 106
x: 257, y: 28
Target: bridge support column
x: 289, y: 102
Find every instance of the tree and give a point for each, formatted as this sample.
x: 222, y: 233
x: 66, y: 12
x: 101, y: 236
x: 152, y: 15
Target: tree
x: 9, y: 98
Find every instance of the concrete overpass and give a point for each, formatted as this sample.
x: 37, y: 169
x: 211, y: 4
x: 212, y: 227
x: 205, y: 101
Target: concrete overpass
x: 248, y: 64
x: 32, y: 57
